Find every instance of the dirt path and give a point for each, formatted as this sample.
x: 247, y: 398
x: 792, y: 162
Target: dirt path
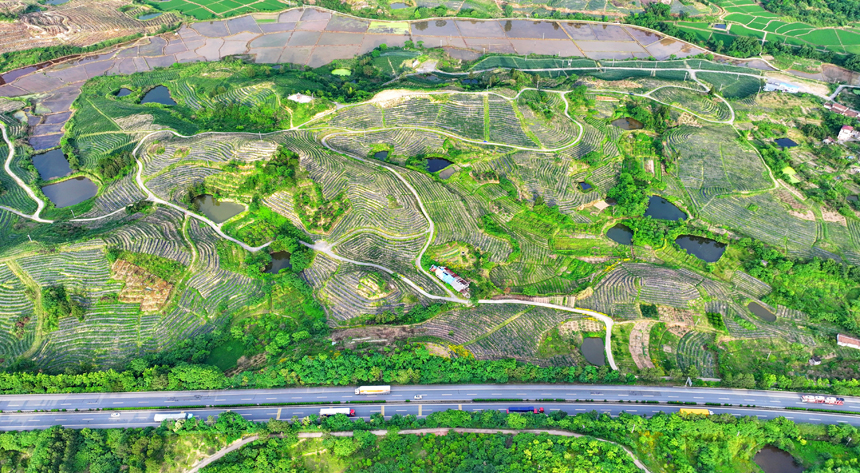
x: 440, y: 431
x: 640, y: 343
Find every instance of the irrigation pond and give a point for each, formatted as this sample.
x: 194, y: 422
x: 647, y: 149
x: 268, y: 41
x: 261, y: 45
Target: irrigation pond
x: 52, y: 164
x: 71, y: 191
x: 662, y: 209
x: 761, y: 312
x: 621, y: 234
x: 705, y: 249
x: 217, y: 211
x: 160, y: 94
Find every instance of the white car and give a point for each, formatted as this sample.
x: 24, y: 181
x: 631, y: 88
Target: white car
x: 114, y: 414
x: 418, y: 397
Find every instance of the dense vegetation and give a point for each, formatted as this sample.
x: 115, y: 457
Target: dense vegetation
x: 817, y: 12
x: 57, y: 302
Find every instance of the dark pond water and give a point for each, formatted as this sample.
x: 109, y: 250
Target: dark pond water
x: 470, y: 81
x: 705, y: 249
x: 853, y: 198
x: 52, y: 164
x: 70, y: 192
x: 621, y: 234
x: 280, y: 260
x: 786, y: 143
x: 217, y: 211
x: 773, y: 460
x: 761, y: 312
x: 592, y: 350
x: 662, y: 209
x: 160, y: 94
x: 149, y: 16
x: 382, y: 155
x: 627, y: 123
x: 720, y: 26
x: 56, y: 2
x: 398, y: 6
x: 123, y: 92
x: 585, y: 186
x: 437, y: 164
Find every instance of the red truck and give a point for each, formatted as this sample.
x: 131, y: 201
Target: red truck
x: 829, y: 400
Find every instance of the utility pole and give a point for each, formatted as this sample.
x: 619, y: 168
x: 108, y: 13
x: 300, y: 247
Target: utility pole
x: 28, y: 237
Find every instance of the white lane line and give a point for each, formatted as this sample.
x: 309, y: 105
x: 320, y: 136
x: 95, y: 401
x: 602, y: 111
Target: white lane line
x: 299, y: 397
x: 813, y: 419
x: 271, y: 398
x: 142, y: 402
x: 723, y: 398
x: 673, y: 396
x: 793, y: 418
x: 446, y: 394
x: 86, y: 419
x: 698, y: 397
x: 66, y: 404
x: 248, y: 399
x: 632, y: 410
x: 776, y: 401
x: 400, y: 410
x: 759, y: 415
x: 625, y: 395
x: 322, y: 397
x: 60, y: 419
x: 579, y: 409
x: 341, y: 396
x: 119, y: 402
x: 471, y: 394
x: 749, y: 400
x: 495, y: 394
x: 774, y: 407
x: 33, y: 420
x: 518, y: 394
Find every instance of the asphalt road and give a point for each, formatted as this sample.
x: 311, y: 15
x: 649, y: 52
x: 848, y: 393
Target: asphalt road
x: 133, y: 410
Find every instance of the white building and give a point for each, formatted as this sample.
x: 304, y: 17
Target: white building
x: 847, y: 133
x: 846, y: 341
x: 781, y: 87
x: 459, y: 284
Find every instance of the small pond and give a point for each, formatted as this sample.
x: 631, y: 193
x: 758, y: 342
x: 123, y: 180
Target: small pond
x: 217, y: 211
x: 761, y: 312
x: 399, y: 6
x: 773, y: 460
x: 592, y: 350
x: 123, y: 92
x: 584, y: 186
x: 786, y: 143
x: 56, y: 2
x: 149, y: 16
x: 705, y: 249
x: 621, y: 234
x: 52, y: 164
x: 662, y: 209
x: 70, y: 192
x: 160, y: 94
x: 627, y: 123
x: 720, y: 26
x: 853, y: 198
x: 381, y: 155
x: 470, y: 81
x: 280, y: 260
x: 437, y: 164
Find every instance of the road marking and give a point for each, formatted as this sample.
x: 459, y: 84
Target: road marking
x: 625, y: 395
x: 673, y: 396
x: 518, y: 394
x: 401, y: 410
x: 382, y: 410
x: 396, y: 395
x: 655, y: 411
x: 579, y: 409
x: 698, y: 397
x: 299, y: 397
x: 813, y: 419
x: 429, y: 410
x: 759, y: 415
x: 749, y: 400
x: 67, y: 419
x: 86, y: 419
x: 723, y: 398
x: 776, y: 401
x: 644, y: 395
x: 495, y: 394
x: 322, y: 397
x: 446, y: 394
x: 554, y: 409
x: 142, y: 402
x: 94, y: 403
x: 793, y: 418
x: 66, y: 404
x: 419, y: 410
x: 774, y: 407
x: 33, y: 420
x: 632, y: 410
x: 248, y: 399
x: 270, y: 398
x: 471, y: 394
x: 459, y: 407
x: 119, y: 402
x: 341, y: 396
x: 546, y: 394
x: 279, y: 414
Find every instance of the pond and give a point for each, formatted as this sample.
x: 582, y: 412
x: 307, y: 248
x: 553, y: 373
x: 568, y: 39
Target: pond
x: 56, y: 2
x: 761, y: 312
x: 592, y: 350
x: 621, y: 234
x: 720, y: 26
x: 381, y: 155
x: 627, y: 123
x: 773, y: 460
x: 437, y: 164
x: 217, y: 211
x: 786, y: 143
x: 584, y: 186
x: 280, y: 260
x: 160, y: 94
x: 470, y: 81
x: 662, y: 209
x: 853, y: 198
x: 70, y: 192
x: 123, y: 92
x: 399, y: 6
x: 705, y: 249
x: 149, y: 16
x: 52, y: 164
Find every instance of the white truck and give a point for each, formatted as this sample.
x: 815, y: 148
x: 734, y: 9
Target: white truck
x: 829, y: 400
x: 373, y: 390
x: 177, y: 416
x: 332, y: 411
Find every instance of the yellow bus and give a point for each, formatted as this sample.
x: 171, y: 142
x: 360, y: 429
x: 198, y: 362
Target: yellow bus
x: 698, y: 412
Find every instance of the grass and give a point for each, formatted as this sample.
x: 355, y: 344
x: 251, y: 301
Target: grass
x: 226, y: 355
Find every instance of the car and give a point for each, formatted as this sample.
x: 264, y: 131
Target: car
x: 114, y: 414
x: 418, y: 396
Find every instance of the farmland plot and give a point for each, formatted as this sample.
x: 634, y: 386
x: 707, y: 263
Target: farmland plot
x: 406, y: 142
x: 463, y: 326
x: 520, y: 337
x: 84, y: 271
x: 171, y: 185
x: 697, y: 102
x: 379, y: 201
x: 360, y: 117
x: 13, y: 195
x: 693, y: 351
x: 343, y: 297
x: 117, y: 195
x: 156, y: 234
x: 17, y: 316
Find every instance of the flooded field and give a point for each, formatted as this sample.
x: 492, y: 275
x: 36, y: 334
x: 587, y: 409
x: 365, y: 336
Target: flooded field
x: 217, y: 211
x: 705, y: 249
x: 620, y: 234
x: 662, y: 209
x: 761, y: 312
x: 52, y: 165
x: 70, y: 192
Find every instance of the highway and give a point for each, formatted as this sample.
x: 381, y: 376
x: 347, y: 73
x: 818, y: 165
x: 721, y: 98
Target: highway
x: 135, y: 409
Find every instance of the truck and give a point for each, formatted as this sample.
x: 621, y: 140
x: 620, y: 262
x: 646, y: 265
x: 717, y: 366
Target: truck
x: 176, y: 416
x: 331, y: 411
x: 535, y: 410
x: 698, y: 412
x: 829, y: 400
x: 373, y: 390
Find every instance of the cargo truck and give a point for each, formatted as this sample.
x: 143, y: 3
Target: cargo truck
x: 698, y: 412
x: 373, y: 390
x: 535, y: 410
x: 331, y: 411
x: 829, y: 400
x: 177, y: 416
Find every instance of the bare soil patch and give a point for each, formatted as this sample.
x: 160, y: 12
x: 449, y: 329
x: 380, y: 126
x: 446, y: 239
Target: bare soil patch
x: 640, y: 338
x: 141, y: 287
x: 678, y: 321
x: 383, y: 335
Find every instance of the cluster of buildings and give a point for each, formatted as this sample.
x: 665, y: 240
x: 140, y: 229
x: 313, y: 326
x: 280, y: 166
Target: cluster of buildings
x: 845, y: 341
x: 450, y: 277
x: 848, y: 133
x: 781, y: 87
x: 841, y: 109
